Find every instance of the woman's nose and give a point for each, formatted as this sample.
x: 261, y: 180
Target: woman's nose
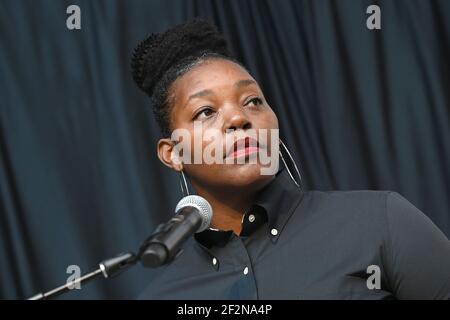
x: 235, y: 118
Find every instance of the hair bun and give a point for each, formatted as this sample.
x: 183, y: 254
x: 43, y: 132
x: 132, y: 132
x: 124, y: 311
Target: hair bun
x: 159, y: 51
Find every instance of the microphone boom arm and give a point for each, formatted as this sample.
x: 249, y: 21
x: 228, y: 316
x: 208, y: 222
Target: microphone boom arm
x: 108, y: 268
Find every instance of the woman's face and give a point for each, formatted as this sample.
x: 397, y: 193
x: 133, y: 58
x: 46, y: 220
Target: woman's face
x: 222, y: 98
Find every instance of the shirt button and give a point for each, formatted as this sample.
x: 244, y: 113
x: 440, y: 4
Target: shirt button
x: 246, y: 270
x: 251, y: 218
x: 274, y: 232
x: 214, y: 261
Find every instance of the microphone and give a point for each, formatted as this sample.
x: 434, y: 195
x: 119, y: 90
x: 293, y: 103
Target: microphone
x: 193, y: 214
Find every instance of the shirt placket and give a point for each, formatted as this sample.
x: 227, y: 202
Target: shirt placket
x: 244, y: 286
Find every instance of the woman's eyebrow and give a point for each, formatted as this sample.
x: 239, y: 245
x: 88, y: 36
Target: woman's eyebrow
x: 244, y: 83
x: 206, y: 92
x: 200, y: 94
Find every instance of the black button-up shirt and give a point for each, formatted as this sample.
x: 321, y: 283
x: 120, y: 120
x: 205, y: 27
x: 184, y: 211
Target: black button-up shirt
x: 298, y: 244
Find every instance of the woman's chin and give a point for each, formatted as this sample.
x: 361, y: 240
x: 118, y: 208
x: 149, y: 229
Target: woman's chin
x: 243, y: 175
x: 230, y: 176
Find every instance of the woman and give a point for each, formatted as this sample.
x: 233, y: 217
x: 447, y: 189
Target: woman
x: 269, y: 238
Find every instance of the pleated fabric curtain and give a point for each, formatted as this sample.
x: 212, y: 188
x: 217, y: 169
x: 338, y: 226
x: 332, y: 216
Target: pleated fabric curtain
x: 79, y: 177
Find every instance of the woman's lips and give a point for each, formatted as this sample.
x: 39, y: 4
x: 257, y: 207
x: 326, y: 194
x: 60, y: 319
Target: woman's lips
x: 244, y: 152
x: 243, y: 147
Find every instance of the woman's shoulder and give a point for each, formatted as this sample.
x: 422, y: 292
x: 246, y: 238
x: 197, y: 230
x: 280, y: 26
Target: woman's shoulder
x: 363, y: 209
x: 350, y: 194
x: 384, y: 209
x: 384, y: 202
x: 349, y: 199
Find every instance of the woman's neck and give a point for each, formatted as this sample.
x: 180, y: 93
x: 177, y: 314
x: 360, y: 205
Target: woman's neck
x: 228, y: 209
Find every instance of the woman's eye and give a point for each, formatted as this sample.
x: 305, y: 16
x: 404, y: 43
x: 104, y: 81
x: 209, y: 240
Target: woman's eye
x: 204, y: 113
x: 254, y: 101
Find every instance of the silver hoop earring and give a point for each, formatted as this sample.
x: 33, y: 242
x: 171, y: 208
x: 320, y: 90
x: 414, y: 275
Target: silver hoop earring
x: 299, y: 184
x: 183, y: 185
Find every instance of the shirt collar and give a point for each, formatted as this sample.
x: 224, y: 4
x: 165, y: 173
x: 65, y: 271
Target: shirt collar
x: 274, y: 204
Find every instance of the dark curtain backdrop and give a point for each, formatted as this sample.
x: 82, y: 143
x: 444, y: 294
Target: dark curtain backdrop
x: 79, y: 176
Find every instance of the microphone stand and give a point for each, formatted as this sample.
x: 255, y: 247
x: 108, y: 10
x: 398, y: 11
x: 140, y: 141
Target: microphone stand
x: 153, y: 253
x: 108, y: 268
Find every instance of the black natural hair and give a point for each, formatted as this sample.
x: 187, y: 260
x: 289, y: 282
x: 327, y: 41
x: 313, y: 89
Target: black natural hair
x: 163, y: 57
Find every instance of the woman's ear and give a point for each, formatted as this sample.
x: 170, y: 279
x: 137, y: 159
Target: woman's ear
x: 167, y: 155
